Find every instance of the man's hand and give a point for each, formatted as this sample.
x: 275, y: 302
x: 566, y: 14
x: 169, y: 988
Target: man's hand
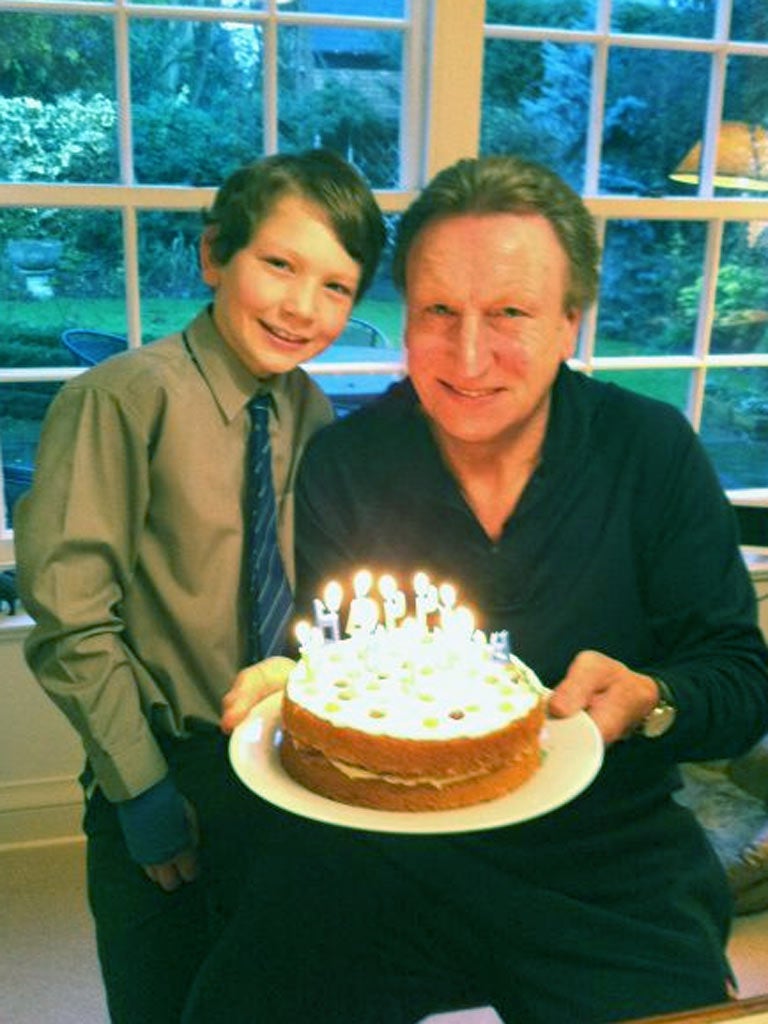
x: 617, y: 698
x: 251, y: 686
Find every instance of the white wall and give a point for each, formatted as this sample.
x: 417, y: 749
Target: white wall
x: 40, y: 754
x: 41, y: 757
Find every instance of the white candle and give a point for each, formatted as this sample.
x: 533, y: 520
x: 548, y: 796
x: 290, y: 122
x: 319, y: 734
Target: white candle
x: 363, y: 609
x: 499, y: 642
x: 309, y: 637
x: 426, y: 598
x: 327, y: 611
x: 462, y: 624
x: 447, y: 595
x: 393, y: 600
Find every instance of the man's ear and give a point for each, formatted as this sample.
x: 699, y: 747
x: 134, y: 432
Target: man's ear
x: 209, y: 266
x: 570, y: 335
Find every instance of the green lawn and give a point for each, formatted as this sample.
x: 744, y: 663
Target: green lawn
x: 158, y: 316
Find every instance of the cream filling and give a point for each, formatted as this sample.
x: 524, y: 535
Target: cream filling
x: 353, y: 772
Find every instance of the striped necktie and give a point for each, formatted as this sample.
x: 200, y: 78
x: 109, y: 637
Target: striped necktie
x: 271, y: 599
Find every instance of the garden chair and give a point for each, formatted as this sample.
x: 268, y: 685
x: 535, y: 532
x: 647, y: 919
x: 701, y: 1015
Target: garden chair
x: 92, y: 347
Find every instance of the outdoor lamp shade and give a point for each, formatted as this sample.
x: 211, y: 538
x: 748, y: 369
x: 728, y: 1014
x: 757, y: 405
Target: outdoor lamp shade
x: 741, y: 161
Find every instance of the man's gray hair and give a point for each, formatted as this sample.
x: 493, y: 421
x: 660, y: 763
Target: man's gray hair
x: 508, y: 184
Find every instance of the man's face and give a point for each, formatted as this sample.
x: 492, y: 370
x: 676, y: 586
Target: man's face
x: 486, y: 329
x: 288, y: 294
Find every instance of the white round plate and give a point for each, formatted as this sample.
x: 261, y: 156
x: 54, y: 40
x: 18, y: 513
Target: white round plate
x: 573, y: 754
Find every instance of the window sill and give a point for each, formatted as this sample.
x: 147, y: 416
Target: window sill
x: 14, y: 625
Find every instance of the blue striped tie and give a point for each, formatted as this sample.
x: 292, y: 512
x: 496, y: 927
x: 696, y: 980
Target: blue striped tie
x: 271, y: 599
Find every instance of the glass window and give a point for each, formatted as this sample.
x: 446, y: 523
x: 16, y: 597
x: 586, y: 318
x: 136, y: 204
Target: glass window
x: 342, y: 88
x: 571, y: 14
x: 650, y: 287
x: 172, y: 289
x: 197, y: 99
x: 734, y: 426
x: 677, y: 18
x: 57, y: 99
x: 22, y: 409
x: 741, y: 299
x: 382, y: 304
x: 536, y: 103
x: 749, y: 21
x: 61, y: 268
x: 377, y: 8
x: 654, y: 106
x: 671, y: 386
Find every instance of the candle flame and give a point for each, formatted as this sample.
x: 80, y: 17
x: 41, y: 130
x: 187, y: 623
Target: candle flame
x: 464, y: 620
x: 387, y: 586
x: 332, y: 595
x: 447, y: 594
x: 303, y: 631
x: 362, y: 583
x: 421, y: 583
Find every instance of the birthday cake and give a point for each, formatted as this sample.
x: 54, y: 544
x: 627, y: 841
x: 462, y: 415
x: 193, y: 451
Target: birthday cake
x: 406, y: 716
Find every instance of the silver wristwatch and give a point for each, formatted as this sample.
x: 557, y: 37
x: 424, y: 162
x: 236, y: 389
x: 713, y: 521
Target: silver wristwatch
x: 660, y: 718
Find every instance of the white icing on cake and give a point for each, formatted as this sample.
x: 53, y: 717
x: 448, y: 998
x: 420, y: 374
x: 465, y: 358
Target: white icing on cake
x: 409, y: 684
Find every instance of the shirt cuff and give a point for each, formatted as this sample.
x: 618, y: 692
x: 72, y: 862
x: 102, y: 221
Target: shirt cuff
x: 155, y: 823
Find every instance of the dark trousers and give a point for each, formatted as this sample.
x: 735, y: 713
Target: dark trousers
x: 150, y: 942
x: 374, y: 929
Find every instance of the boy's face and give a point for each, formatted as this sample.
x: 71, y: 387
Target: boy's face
x: 288, y: 293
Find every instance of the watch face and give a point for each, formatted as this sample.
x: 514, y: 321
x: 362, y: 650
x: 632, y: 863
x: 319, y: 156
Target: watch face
x: 658, y: 721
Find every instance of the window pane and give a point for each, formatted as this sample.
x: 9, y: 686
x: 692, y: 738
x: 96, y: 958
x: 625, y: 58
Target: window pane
x: 653, y: 108
x: 197, y: 99
x: 382, y: 304
x: 667, y: 385
x: 69, y: 275
x: 650, y: 285
x: 536, y: 103
x: 58, y: 119
x: 342, y: 89
x: 541, y: 13
x: 22, y: 408
x: 370, y: 8
x: 172, y: 289
x: 741, y: 300
x: 247, y: 5
x: 659, y: 17
x: 734, y: 425
x: 742, y: 152
x: 749, y: 21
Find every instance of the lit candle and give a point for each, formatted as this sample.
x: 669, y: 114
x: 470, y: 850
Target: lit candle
x: 363, y: 609
x: 309, y: 637
x: 462, y: 624
x: 393, y: 600
x: 327, y: 611
x: 426, y: 598
x: 447, y: 595
x: 499, y: 642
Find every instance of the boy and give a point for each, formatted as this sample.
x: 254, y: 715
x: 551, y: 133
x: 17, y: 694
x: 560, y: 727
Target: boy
x: 131, y: 557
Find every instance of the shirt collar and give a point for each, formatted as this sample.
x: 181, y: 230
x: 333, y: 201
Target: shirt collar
x: 231, y: 384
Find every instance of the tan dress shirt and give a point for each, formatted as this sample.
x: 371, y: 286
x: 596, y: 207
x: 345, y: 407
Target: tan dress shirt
x: 130, y: 543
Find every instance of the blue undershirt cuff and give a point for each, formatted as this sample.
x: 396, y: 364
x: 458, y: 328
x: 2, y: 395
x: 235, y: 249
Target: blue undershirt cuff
x: 155, y: 823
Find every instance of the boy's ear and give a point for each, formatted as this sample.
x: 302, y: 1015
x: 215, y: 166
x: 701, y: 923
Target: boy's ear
x: 209, y: 267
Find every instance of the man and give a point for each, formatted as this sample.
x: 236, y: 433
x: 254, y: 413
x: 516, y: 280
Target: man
x: 132, y: 559
x: 588, y: 522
